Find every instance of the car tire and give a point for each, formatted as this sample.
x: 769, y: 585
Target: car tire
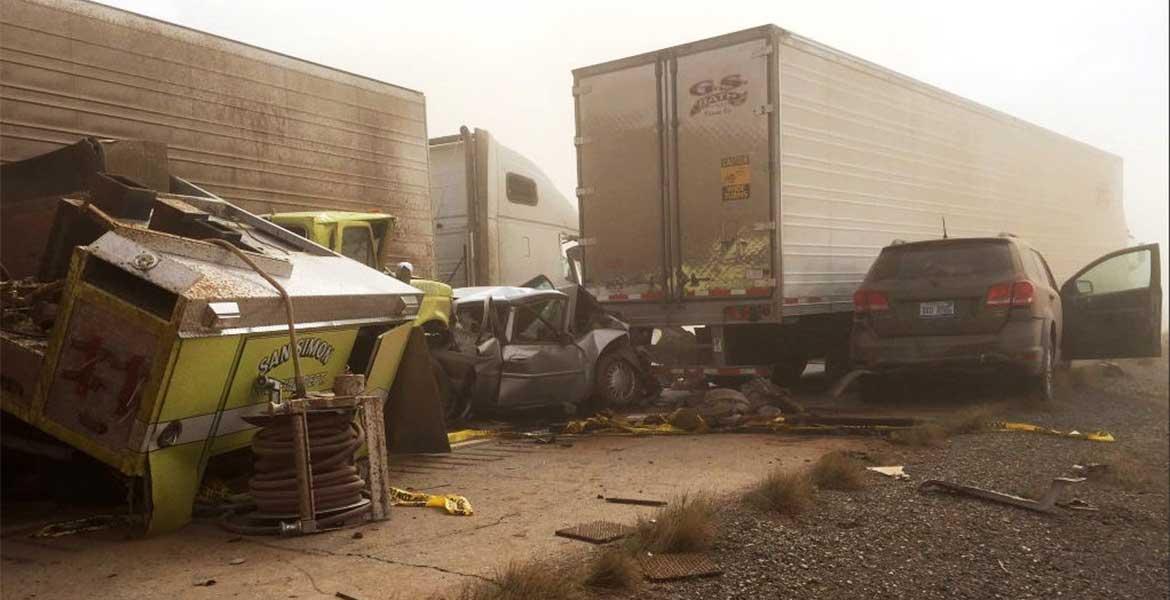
x: 615, y: 381
x: 1042, y: 386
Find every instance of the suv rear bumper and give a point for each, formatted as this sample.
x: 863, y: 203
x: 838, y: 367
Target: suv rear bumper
x: 1018, y: 345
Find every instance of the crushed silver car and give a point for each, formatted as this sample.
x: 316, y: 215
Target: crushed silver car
x: 517, y: 348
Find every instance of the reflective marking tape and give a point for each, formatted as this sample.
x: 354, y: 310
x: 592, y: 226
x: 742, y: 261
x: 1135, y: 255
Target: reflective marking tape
x: 619, y: 297
x: 198, y: 428
x: 805, y: 300
x: 761, y: 371
x: 724, y: 292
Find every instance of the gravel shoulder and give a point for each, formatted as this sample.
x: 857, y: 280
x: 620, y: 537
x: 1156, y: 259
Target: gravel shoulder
x: 890, y: 541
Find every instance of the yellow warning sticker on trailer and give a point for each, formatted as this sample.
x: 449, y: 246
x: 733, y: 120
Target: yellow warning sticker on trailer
x: 735, y: 175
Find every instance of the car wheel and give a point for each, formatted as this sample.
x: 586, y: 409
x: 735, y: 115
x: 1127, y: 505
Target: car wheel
x: 1042, y: 386
x: 616, y: 382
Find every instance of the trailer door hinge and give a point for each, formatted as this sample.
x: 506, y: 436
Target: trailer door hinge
x: 581, y: 140
x: 584, y: 191
x: 581, y: 90
x: 766, y: 50
x: 763, y: 109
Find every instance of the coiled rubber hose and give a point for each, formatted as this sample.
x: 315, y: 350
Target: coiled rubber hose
x: 333, y: 439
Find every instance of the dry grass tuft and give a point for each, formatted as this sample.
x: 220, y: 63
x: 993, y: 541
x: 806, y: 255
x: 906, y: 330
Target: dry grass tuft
x: 923, y: 436
x: 613, y: 569
x: 521, y: 581
x: 1126, y: 471
x: 687, y: 524
x: 782, y: 491
x: 837, y: 471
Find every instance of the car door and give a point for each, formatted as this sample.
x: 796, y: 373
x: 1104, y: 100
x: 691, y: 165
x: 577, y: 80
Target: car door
x: 542, y: 365
x: 1113, y: 306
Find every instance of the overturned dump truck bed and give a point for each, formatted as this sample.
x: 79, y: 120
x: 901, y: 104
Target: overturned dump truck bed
x: 144, y: 338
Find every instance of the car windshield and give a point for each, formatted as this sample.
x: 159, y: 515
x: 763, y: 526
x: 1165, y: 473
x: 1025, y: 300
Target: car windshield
x: 951, y: 259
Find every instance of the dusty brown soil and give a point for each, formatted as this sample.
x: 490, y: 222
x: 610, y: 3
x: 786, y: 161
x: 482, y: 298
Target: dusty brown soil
x: 891, y: 541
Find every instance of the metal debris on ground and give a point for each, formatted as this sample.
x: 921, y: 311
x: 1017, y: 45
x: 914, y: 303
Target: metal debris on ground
x: 1090, y: 469
x: 1044, y: 504
x: 454, y: 505
x: 74, y: 526
x: 636, y: 501
x: 897, y: 472
x: 762, y: 392
x: 672, y: 567
x: 597, y: 532
x: 1092, y: 436
x: 202, y: 581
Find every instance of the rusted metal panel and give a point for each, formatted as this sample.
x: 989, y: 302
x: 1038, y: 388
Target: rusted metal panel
x: 266, y: 131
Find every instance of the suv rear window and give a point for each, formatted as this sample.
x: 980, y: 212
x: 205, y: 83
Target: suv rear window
x: 943, y: 260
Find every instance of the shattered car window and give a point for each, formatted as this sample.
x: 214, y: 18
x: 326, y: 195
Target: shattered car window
x: 536, y: 322
x: 952, y: 259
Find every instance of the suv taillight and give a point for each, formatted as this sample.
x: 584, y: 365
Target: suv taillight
x: 1011, y: 293
x: 870, y: 301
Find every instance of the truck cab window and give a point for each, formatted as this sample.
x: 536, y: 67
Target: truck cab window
x: 297, y: 229
x: 521, y: 189
x: 357, y: 243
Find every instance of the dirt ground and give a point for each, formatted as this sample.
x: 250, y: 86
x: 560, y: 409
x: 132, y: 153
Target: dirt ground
x: 885, y: 541
x: 522, y: 492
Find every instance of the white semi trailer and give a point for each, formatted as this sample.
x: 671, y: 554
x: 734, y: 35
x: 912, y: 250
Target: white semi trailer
x: 743, y: 185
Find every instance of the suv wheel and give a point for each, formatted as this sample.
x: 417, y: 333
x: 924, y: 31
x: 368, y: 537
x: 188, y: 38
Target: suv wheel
x: 1043, y: 385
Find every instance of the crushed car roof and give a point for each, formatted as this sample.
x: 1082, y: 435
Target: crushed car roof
x: 503, y: 293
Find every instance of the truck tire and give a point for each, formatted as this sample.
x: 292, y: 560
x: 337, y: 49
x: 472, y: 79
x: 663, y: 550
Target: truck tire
x: 615, y: 382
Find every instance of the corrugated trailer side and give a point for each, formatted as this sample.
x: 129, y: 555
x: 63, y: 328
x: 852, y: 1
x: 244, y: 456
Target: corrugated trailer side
x: 264, y: 130
x: 869, y: 156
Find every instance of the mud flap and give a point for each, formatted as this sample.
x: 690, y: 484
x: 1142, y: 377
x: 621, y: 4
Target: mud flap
x: 414, y: 415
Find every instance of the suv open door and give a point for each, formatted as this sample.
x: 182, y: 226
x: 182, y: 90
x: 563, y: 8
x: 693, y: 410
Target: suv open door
x: 1113, y: 307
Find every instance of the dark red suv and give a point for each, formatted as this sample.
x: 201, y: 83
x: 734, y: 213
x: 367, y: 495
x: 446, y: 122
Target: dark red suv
x: 993, y: 304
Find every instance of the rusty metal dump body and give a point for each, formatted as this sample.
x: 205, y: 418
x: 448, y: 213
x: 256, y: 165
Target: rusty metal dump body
x: 161, y: 335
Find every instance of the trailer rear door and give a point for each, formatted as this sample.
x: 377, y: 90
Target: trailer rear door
x: 725, y: 224
x: 620, y: 176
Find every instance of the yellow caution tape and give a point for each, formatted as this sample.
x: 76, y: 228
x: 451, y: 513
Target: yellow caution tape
x: 455, y: 505
x: 1092, y: 436
x: 464, y: 435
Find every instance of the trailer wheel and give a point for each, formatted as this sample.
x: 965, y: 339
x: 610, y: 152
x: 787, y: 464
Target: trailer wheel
x: 616, y: 381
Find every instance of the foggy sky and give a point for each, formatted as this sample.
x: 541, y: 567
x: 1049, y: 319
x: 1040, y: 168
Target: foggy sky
x: 1093, y: 71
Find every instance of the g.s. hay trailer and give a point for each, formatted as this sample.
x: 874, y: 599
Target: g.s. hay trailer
x: 266, y: 131
x: 743, y: 184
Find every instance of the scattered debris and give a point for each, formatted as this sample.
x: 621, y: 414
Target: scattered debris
x: 95, y: 523
x: 1077, y: 504
x: 344, y: 596
x: 897, y: 472
x: 672, y: 567
x: 202, y: 581
x: 597, y: 532
x: 1090, y: 469
x: 1044, y: 504
x: 636, y: 501
x: 1111, y: 369
x: 1092, y: 436
x: 762, y: 392
x: 455, y: 505
x: 237, y: 561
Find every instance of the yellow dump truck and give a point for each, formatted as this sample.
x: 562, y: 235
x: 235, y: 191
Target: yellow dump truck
x: 158, y: 323
x: 360, y: 236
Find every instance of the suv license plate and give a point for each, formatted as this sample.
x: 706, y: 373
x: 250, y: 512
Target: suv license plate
x: 930, y: 310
